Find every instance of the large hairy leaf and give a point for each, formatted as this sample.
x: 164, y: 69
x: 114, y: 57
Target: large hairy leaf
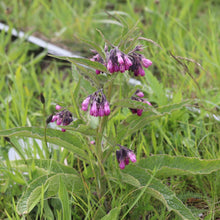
x: 89, y: 63
x: 51, y: 185
x: 133, y: 122
x: 70, y: 141
x: 157, y: 189
x: 64, y: 198
x: 46, y: 166
x: 31, y: 196
x: 112, y: 215
x: 169, y: 166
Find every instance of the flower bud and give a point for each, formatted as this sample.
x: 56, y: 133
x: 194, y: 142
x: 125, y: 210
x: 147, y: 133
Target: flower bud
x: 146, y: 63
x: 85, y: 103
x: 139, y: 112
x: 132, y: 156
x: 101, y: 111
x: 94, y: 110
x: 140, y: 94
x: 106, y: 108
x: 120, y: 59
x: 58, y: 107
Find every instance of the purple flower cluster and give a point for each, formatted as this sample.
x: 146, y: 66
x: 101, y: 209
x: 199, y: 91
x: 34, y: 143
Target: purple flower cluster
x: 62, y: 118
x: 138, y: 62
x: 117, y: 61
x: 124, y: 155
x: 139, y: 99
x: 99, y: 106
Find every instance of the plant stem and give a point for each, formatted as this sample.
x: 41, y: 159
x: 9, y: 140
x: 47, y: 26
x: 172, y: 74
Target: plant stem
x: 45, y: 132
x: 100, y: 131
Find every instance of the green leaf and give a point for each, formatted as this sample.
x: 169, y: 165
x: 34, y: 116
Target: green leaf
x: 103, y: 37
x: 83, y: 129
x: 32, y: 195
x: 67, y: 140
x: 94, y: 46
x: 47, y: 211
x: 126, y: 37
x: 72, y: 183
x: 63, y: 196
x: 167, y: 165
x: 159, y: 94
x: 157, y: 190
x: 112, y: 215
x: 89, y: 75
x: 133, y: 122
x: 128, y: 103
x: 92, y: 77
x: 89, y: 63
x: 173, y: 107
x: 47, y: 166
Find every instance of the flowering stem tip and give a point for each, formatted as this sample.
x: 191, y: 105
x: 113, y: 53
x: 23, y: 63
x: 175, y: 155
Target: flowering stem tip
x: 117, y: 61
x: 98, y: 104
x: 124, y: 155
x: 63, y: 117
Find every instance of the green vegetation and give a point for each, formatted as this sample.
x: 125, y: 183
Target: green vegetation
x: 61, y: 175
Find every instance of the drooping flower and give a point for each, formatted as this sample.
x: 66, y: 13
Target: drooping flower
x: 92, y: 142
x: 139, y: 99
x: 58, y: 107
x: 139, y: 93
x: 106, y: 108
x: 99, y: 106
x: 138, y: 62
x: 85, y: 104
x: 62, y: 118
x: 117, y: 61
x: 124, y: 155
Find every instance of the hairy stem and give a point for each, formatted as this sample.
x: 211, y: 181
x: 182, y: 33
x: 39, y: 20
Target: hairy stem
x: 100, y: 132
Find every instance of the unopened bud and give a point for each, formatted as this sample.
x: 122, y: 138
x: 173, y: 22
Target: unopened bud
x: 42, y: 99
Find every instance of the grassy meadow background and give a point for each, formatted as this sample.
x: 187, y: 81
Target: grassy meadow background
x: 183, y: 84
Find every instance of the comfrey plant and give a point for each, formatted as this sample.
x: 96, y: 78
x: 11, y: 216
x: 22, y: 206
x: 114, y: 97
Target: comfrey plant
x: 112, y: 61
x: 101, y: 130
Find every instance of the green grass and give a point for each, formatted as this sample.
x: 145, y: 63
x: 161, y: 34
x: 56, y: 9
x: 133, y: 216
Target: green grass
x: 90, y: 187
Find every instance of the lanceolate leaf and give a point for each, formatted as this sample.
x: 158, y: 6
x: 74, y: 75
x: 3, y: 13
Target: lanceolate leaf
x: 94, y: 46
x: 63, y: 196
x: 83, y: 129
x: 157, y: 190
x: 113, y: 214
x: 32, y: 195
x: 89, y: 63
x: 88, y: 74
x: 67, y: 140
x: 128, y: 103
x: 128, y: 35
x: 159, y: 94
x: 47, y: 166
x: 169, y: 166
x: 133, y: 122
x: 72, y: 182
